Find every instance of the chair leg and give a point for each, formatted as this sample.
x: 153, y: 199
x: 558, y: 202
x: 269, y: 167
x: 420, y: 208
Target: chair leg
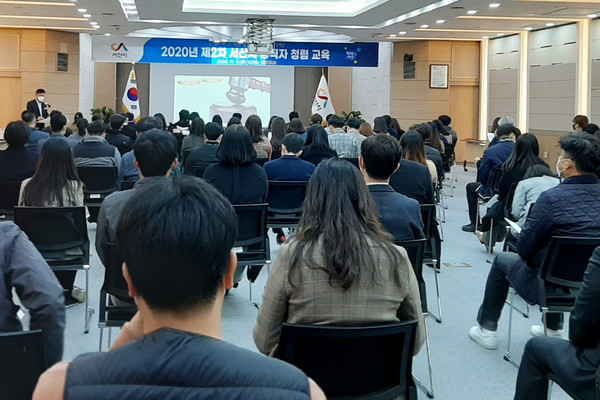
x: 255, y: 304
x: 100, y: 342
x: 491, y: 243
x: 428, y: 392
x: 477, y: 216
x: 510, y: 314
x: 437, y: 291
x: 87, y: 315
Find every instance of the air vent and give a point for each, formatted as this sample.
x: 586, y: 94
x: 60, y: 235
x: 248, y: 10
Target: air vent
x: 410, y: 23
x: 108, y: 14
x: 457, y: 8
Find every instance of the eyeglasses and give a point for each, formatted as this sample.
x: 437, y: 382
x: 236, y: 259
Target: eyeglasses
x: 562, y: 158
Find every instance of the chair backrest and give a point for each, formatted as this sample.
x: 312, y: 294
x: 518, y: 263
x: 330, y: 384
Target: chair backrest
x: 126, y: 185
x: 566, y: 260
x: 198, y: 170
x: 9, y: 195
x: 352, y: 361
x: 21, y: 364
x: 53, y: 229
x: 286, y: 196
x: 98, y: 179
x: 252, y: 224
x: 261, y: 161
x: 428, y: 216
x: 186, y: 154
x: 416, y: 254
x: 114, y: 283
x: 494, y: 179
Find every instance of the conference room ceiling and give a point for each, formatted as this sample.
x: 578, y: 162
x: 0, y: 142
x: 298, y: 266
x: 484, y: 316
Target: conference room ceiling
x: 301, y: 20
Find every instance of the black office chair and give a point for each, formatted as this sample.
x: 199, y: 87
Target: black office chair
x: 431, y: 251
x: 98, y: 182
x: 60, y: 235
x: 485, y: 193
x: 262, y: 161
x: 285, y: 200
x: 415, y: 250
x: 126, y: 185
x: 112, y: 315
x: 559, y: 278
x: 198, y: 170
x: 9, y: 197
x: 353, y: 362
x: 253, y: 240
x: 21, y: 364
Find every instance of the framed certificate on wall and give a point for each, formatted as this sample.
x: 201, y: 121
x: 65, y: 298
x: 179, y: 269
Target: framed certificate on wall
x: 438, y: 76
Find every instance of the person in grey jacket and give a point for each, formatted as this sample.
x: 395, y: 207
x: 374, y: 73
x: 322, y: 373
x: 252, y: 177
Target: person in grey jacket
x: 24, y: 269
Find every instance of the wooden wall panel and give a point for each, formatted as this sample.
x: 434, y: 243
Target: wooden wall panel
x: 340, y: 89
x: 465, y: 62
x: 9, y: 48
x: 11, y: 105
x: 106, y: 78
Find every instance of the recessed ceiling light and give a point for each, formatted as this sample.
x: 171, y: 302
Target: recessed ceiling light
x: 402, y: 33
x: 494, y: 5
x: 549, y: 24
x: 130, y: 7
x: 393, y: 35
x: 472, y: 12
x: 87, y: 15
x: 93, y: 23
x: 424, y: 26
x: 96, y: 26
x: 132, y: 12
x: 592, y: 16
x: 82, y: 10
x: 107, y: 34
x: 528, y: 28
x: 485, y: 37
x: 440, y: 21
x: 217, y: 40
x: 499, y: 34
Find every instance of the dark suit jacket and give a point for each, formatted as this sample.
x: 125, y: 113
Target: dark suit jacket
x: 289, y: 168
x: 494, y: 157
x: 33, y: 108
x: 314, y: 156
x: 241, y: 184
x: 435, y: 156
x: 120, y: 141
x: 200, y: 156
x: 400, y: 215
x: 413, y: 180
x: 17, y: 164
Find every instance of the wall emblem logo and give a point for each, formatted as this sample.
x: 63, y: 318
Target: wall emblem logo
x: 119, y: 50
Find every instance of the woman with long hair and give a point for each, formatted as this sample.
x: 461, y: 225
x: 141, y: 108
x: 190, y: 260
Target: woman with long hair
x: 196, y: 137
x: 396, y: 125
x: 260, y: 141
x: 317, y: 146
x: 342, y: 267
x: 55, y: 184
x: 525, y: 154
x: 366, y: 130
x: 236, y: 175
x: 278, y: 131
x: 379, y: 125
x: 413, y: 149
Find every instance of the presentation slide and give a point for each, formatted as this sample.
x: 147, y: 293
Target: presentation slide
x: 224, y: 95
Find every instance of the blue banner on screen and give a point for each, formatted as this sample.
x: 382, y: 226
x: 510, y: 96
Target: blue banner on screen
x: 187, y: 51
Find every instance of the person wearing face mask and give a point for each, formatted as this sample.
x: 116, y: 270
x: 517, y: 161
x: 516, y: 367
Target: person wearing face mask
x: 568, y: 209
x: 38, y: 107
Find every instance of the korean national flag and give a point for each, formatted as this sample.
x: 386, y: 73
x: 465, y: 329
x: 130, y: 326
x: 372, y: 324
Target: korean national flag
x: 131, y: 100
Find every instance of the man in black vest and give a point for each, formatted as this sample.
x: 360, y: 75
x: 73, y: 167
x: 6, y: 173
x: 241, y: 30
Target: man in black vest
x: 176, y: 237
x: 94, y: 151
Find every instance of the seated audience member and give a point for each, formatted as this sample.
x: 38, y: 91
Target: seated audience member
x: 317, y: 148
x: 366, y: 130
x: 55, y: 184
x: 345, y: 146
x: 292, y: 115
x: 492, y: 158
x: 259, y: 140
x: 524, y: 155
x: 58, y: 124
x: 196, y: 137
x: 379, y: 125
x: 353, y: 124
x: 413, y: 179
x: 94, y: 151
x: 569, y: 209
x: 205, y: 155
x: 413, y: 149
x: 82, y: 125
x: 16, y: 162
x: 341, y: 268
x: 575, y: 361
x: 591, y: 129
x: 23, y: 268
x: 580, y: 122
x: 35, y: 134
x: 396, y: 126
x: 78, y: 115
x: 390, y: 130
x: 114, y: 135
x: 431, y: 152
x: 156, y: 157
x: 162, y: 121
x: 48, y: 129
x: 176, y: 239
x: 128, y: 172
x: 289, y: 167
x: 236, y: 175
x: 498, y: 122
x: 184, y: 117
x: 399, y: 215
x: 296, y: 126
x: 438, y: 141
x: 217, y: 120
x: 446, y: 121
x: 237, y: 115
x: 316, y: 119
x: 276, y: 134
x: 234, y: 121
x: 129, y: 128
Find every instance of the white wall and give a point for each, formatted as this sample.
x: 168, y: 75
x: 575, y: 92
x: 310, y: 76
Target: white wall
x: 595, y: 71
x: 86, y: 75
x: 553, y: 58
x: 371, y: 86
x: 503, y: 64
x: 162, y: 78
